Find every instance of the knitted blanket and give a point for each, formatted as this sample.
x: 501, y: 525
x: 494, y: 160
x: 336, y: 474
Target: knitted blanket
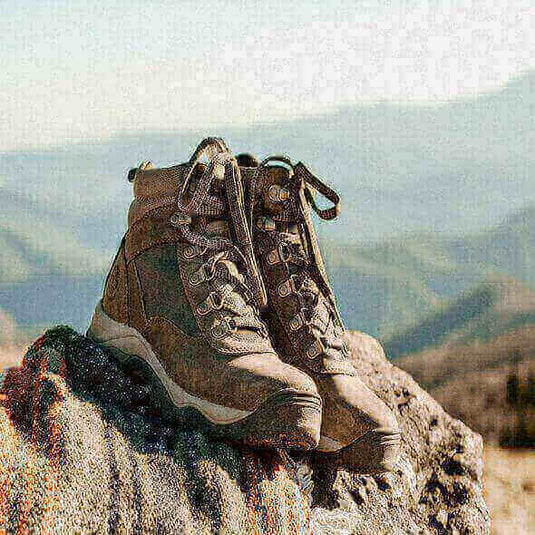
x: 83, y: 450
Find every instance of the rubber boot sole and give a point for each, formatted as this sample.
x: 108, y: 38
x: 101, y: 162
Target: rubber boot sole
x: 374, y: 452
x: 287, y: 419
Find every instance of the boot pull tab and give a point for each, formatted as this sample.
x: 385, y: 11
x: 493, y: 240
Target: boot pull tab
x: 143, y: 166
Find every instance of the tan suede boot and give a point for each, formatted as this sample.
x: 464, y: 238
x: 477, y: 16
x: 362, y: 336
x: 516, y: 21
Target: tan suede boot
x: 181, y: 305
x: 303, y: 319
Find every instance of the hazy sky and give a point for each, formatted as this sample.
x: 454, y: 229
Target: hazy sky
x: 78, y: 69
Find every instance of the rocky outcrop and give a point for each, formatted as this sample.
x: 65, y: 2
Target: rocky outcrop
x: 83, y: 448
x: 437, y: 486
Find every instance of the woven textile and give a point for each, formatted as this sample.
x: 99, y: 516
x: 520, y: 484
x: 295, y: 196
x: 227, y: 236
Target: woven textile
x: 82, y: 450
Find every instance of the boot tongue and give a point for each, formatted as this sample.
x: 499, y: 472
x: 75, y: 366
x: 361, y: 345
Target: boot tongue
x: 246, y: 159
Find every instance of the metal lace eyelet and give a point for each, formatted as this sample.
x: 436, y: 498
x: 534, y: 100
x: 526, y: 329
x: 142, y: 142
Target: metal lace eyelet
x: 315, y: 349
x: 196, y: 279
x: 284, y: 290
x: 278, y: 194
x: 287, y: 287
x: 220, y: 330
x: 282, y: 253
x: 223, y: 328
x: 201, y: 275
x: 189, y: 252
x: 297, y: 322
x: 198, y: 276
x: 272, y: 258
x: 179, y: 219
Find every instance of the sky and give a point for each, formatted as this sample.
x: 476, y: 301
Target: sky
x: 76, y: 70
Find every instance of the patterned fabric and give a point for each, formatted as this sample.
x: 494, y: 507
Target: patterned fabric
x: 82, y: 450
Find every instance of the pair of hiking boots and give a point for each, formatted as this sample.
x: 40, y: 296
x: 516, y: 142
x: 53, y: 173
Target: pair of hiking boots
x: 219, y: 291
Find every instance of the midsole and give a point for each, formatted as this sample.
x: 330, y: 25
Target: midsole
x: 328, y: 444
x: 128, y: 340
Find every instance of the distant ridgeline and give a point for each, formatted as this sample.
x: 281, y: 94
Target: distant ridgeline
x: 492, y: 309
x: 410, y: 292
x: 411, y: 235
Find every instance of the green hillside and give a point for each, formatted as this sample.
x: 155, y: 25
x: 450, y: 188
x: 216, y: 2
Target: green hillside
x: 506, y: 248
x: 39, y: 238
x: 388, y: 287
x: 496, y: 307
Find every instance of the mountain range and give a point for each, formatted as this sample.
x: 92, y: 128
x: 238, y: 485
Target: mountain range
x: 436, y: 199
x: 392, y: 285
x: 495, y: 307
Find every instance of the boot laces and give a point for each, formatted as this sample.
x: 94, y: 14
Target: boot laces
x: 308, y: 281
x: 222, y: 255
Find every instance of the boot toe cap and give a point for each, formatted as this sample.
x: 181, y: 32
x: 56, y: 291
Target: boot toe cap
x: 358, y: 427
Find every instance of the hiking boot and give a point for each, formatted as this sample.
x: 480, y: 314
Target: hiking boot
x: 303, y: 318
x: 181, y: 304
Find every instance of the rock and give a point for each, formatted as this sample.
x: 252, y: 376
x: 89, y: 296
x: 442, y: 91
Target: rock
x: 437, y: 487
x: 83, y: 448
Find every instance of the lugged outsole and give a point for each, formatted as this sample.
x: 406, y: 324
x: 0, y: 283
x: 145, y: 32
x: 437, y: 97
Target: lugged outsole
x: 372, y: 453
x: 289, y: 419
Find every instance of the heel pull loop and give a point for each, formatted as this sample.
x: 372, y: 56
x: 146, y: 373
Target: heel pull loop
x: 131, y: 176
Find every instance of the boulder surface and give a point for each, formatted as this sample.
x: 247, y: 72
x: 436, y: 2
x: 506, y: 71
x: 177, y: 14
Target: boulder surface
x: 84, y: 448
